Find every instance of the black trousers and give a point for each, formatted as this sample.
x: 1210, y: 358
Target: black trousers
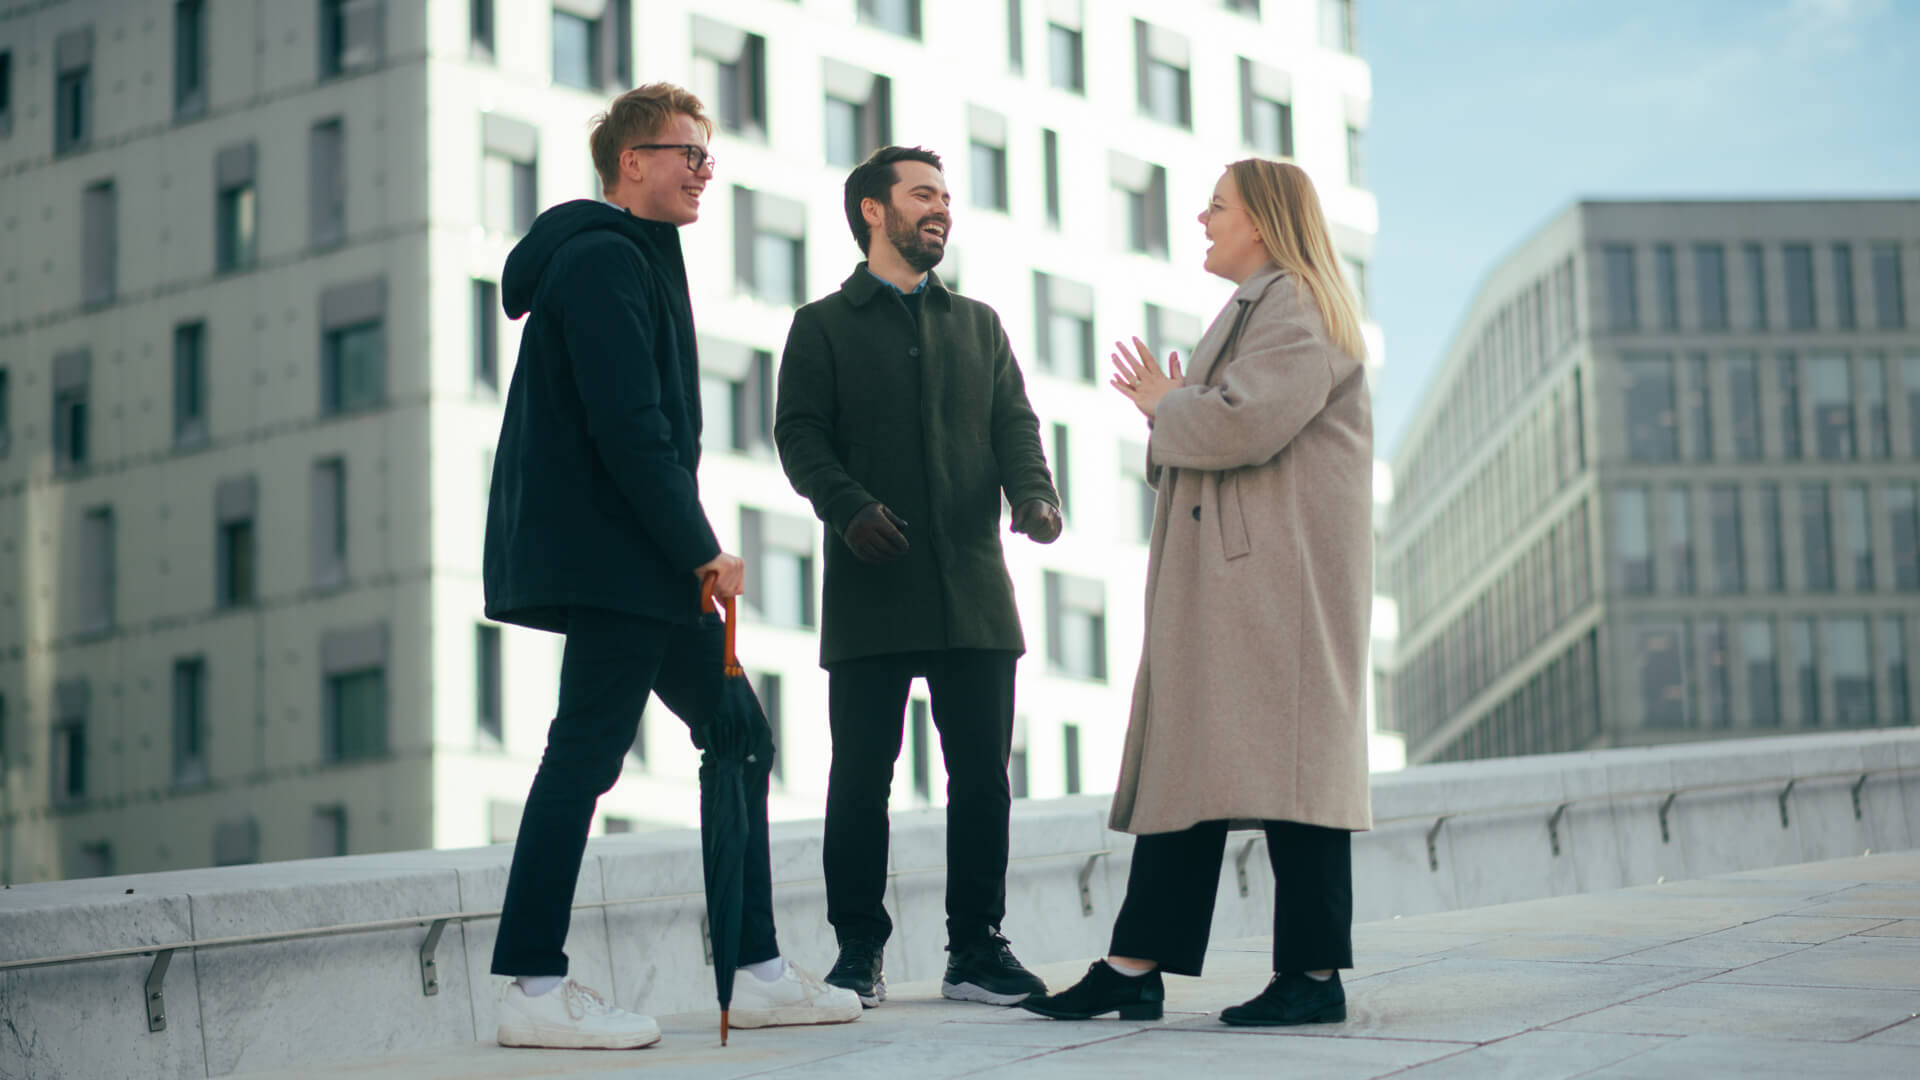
x: 612, y: 663
x: 1168, y: 911
x: 972, y: 691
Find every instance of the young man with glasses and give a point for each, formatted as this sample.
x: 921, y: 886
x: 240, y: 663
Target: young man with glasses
x: 595, y: 530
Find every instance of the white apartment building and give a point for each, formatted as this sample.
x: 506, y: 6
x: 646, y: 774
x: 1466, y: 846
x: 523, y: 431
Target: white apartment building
x: 252, y: 363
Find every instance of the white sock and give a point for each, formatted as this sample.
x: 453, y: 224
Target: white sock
x: 1318, y: 978
x: 535, y: 985
x: 1128, y: 970
x: 767, y: 970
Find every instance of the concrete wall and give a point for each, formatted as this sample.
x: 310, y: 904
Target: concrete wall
x: 246, y: 1007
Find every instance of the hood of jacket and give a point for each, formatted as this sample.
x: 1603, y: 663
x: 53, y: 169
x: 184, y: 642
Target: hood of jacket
x: 553, y: 228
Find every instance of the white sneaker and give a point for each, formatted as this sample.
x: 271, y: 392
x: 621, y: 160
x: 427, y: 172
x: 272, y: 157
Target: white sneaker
x: 796, y: 997
x: 571, y: 1018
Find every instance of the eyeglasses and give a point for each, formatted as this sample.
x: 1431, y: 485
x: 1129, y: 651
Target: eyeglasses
x: 697, y: 156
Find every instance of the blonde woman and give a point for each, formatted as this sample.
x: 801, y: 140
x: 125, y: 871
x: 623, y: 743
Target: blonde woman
x: 1249, y: 700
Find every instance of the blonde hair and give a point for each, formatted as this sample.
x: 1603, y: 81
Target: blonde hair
x: 639, y: 115
x: 1279, y: 197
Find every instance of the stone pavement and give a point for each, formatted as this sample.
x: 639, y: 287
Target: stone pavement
x: 1802, y: 971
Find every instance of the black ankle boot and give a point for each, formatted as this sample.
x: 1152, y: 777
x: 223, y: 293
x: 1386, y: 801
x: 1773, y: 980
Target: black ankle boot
x: 1290, y: 999
x: 1104, y: 990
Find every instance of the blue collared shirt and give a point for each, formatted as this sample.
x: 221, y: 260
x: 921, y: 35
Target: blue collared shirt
x: 911, y: 299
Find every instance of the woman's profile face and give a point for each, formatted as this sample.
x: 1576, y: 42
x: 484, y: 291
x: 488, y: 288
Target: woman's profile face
x: 1234, y: 249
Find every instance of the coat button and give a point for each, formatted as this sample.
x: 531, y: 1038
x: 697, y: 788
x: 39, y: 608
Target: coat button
x: 914, y: 351
x: 1196, y: 513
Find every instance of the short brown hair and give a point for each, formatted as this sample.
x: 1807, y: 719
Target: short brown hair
x: 638, y: 115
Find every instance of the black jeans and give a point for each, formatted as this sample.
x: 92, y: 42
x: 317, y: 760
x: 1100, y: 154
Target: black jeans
x: 1175, y: 877
x: 972, y: 691
x: 612, y: 662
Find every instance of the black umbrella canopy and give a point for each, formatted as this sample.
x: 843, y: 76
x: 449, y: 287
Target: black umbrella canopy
x: 727, y: 740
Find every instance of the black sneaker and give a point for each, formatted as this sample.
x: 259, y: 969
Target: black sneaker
x: 1292, y: 999
x: 859, y: 970
x: 985, y: 970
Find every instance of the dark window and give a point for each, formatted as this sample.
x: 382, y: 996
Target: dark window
x: 1710, y: 282
x: 6, y: 92
x: 1050, y: 159
x: 1164, y: 85
x: 327, y: 184
x: 1743, y: 406
x: 1729, y: 554
x: 1859, y: 537
x: 1076, y: 626
x: 1266, y: 109
x: 858, y: 113
x: 1903, y: 522
x: 486, y: 336
x: 1063, y: 317
x: 356, y: 714
x: 190, y: 721
x: 509, y: 175
x: 236, y: 843
x: 919, y: 738
x: 1356, y: 157
x: 1623, y: 305
x: 1141, y: 189
x: 1017, y: 772
x: 69, y: 760
x: 1843, y: 307
x: 1063, y: 467
x: 73, y: 91
x: 353, y: 369
x: 1773, y: 551
x: 487, y: 694
x: 6, y: 425
x: 1889, y: 295
x: 189, y: 58
x: 1830, y: 386
x: 1893, y: 658
x: 1016, y: 37
x: 350, y: 32
x: 1633, y: 540
x: 730, y: 76
x: 894, y: 16
x: 72, y: 415
x: 1763, y: 672
x: 235, y: 552
x: 1800, y: 307
x: 1816, y: 537
x: 1850, y: 661
x: 236, y: 225
x: 1715, y: 674
x: 1699, y: 406
x: 778, y: 550
x: 1806, y: 672
x: 766, y: 688
x: 327, y: 832
x: 1788, y: 379
x: 988, y: 175
x: 327, y: 541
x: 1066, y: 58
x: 770, y: 246
x: 591, y: 46
x: 1666, y: 289
x: 1910, y: 378
x: 1661, y: 660
x: 1873, y: 400
x: 1756, y: 259
x: 1337, y: 26
x: 98, y: 570
x: 100, y: 251
x: 480, y: 26
x: 1680, y: 538
x: 1652, y: 427
x: 1070, y: 735
x: 190, y: 384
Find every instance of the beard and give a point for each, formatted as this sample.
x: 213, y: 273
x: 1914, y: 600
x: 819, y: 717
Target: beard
x: 920, y: 253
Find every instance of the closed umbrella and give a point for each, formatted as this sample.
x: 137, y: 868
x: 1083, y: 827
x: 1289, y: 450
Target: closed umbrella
x: 727, y: 740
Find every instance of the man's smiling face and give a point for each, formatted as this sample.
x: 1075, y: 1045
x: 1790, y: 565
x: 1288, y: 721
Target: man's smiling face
x: 666, y: 190
x: 919, y: 217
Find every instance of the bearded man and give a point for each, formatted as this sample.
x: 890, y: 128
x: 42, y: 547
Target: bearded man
x: 902, y: 417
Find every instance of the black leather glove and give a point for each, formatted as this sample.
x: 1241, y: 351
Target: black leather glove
x: 875, y: 536
x: 1039, y: 520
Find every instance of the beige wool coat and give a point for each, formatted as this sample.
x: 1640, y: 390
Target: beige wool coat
x: 1250, y: 700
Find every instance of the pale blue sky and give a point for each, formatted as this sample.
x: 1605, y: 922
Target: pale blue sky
x: 1491, y: 116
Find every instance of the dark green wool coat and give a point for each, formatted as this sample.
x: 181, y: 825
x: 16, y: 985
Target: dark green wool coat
x: 933, y: 421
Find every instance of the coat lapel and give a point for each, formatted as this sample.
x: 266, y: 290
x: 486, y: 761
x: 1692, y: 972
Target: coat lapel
x: 1218, y: 342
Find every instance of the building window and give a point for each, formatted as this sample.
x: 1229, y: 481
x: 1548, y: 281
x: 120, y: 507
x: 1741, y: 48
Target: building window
x: 1652, y: 428
x: 350, y: 32
x: 730, y: 76
x: 1729, y: 552
x: 6, y: 92
x: 1063, y: 467
x: 1633, y: 540
x: 1756, y: 259
x: 236, y: 213
x: 1680, y: 538
x: 95, y: 861
x: 1266, y: 109
x: 1017, y: 778
x: 486, y: 336
x: 1356, y: 158
x: 1743, y: 406
x: 1355, y: 271
x: 98, y: 571
x: 1066, y: 58
x: 72, y: 415
x: 1889, y: 293
x: 1851, y: 664
x: 1337, y: 27
x: 1903, y: 522
x: 480, y: 28
x: 1715, y: 676
x: 1133, y: 472
x: 509, y: 174
x: 770, y: 246
x: 736, y: 396
x: 353, y: 666
x: 894, y: 16
x: 920, y: 749
x: 1806, y: 663
x: 1623, y: 305
x: 1816, y: 537
x: 1666, y: 288
x: 1787, y: 377
x: 1762, y: 671
x: 1830, y: 385
x: 591, y: 48
x: 327, y: 184
x: 190, y: 384
x: 327, y: 541
x: 67, y: 749
x: 1860, y: 537
x: 1070, y: 750
x: 614, y: 825
x: 1773, y: 550
x: 1893, y: 658
x: 1800, y: 307
x: 190, y: 721
x: 1843, y: 307
x: 236, y: 843
x: 1710, y: 283
x: 1170, y: 332
x: 766, y: 689
x: 73, y: 90
x: 1050, y: 164
x: 778, y: 550
x: 353, y: 352
x: 987, y: 156
x: 1164, y: 84
x: 6, y: 413
x: 1016, y: 38
x: 487, y: 695
x: 859, y: 113
x: 1662, y: 666
x: 1910, y: 379
x: 1873, y: 398
x: 327, y: 832
x: 235, y: 558
x: 1140, y: 204
x: 100, y: 256
x: 189, y: 58
x: 1076, y: 626
x: 1699, y: 407
x: 638, y: 751
x: 1063, y: 316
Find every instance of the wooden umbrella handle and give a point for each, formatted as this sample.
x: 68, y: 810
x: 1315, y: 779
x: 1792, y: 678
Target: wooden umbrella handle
x: 728, y: 610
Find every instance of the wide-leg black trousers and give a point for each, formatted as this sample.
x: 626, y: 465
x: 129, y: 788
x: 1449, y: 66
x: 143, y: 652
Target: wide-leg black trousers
x: 1168, y: 912
x: 612, y: 662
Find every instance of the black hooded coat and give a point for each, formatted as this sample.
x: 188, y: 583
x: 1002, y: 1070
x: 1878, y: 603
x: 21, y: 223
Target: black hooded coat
x: 594, y: 497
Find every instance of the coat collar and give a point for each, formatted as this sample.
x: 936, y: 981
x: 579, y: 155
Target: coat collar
x: 1234, y: 314
x: 861, y: 287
